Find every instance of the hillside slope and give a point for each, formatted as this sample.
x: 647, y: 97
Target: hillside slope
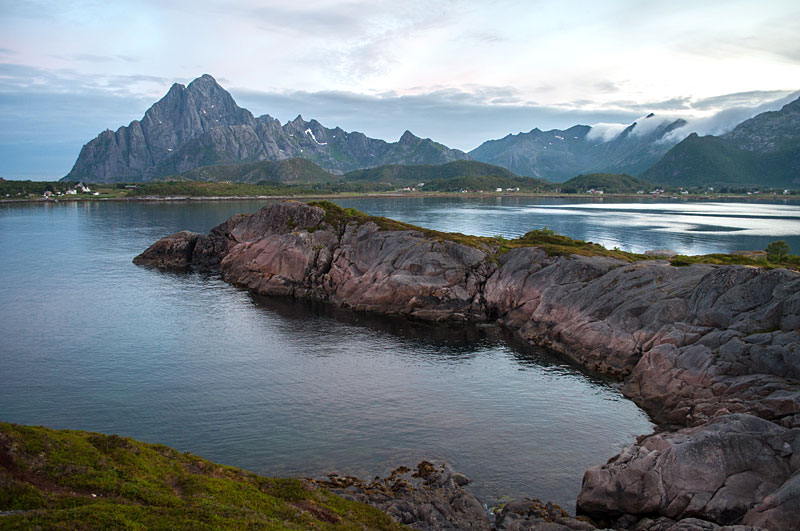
x: 82, y: 480
x: 761, y: 151
x: 557, y: 155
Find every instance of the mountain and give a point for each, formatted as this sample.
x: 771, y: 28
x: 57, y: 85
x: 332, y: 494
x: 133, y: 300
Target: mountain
x: 761, y: 151
x: 556, y: 155
x: 200, y: 125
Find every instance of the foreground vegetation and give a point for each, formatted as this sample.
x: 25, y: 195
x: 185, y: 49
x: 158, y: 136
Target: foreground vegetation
x: 76, y: 479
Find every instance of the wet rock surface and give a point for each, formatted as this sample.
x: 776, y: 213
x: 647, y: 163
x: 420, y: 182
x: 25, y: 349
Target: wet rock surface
x: 714, y: 348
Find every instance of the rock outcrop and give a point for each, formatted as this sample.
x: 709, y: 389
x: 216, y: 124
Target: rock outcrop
x: 736, y: 468
x: 715, y: 348
x: 431, y: 497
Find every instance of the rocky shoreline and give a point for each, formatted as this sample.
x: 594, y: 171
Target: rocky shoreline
x: 711, y: 352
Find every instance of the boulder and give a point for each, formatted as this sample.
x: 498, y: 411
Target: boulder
x: 732, y: 468
x: 172, y: 252
x: 431, y: 497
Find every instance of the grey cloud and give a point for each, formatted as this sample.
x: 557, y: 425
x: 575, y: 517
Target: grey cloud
x: 606, y: 87
x: 749, y: 98
x: 94, y: 58
x: 7, y: 51
x: 776, y: 36
x: 46, y: 116
x: 673, y: 104
x: 16, y: 77
x: 728, y: 118
x: 345, y: 18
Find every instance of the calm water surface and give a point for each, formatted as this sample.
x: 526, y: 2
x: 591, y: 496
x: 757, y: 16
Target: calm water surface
x: 688, y: 227
x: 90, y: 341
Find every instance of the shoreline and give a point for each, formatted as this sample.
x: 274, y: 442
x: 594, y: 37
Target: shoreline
x: 399, y: 195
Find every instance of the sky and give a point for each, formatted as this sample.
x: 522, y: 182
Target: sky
x: 460, y: 72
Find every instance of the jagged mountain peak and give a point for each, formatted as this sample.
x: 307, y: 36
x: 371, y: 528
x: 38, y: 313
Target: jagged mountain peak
x: 409, y: 138
x: 200, y: 124
x: 205, y: 80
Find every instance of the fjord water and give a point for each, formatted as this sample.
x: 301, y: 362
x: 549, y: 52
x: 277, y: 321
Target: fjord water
x: 687, y: 227
x: 90, y: 341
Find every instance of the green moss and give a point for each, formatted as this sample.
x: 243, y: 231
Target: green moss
x: 75, y: 479
x: 15, y: 496
x: 722, y: 259
x: 338, y: 218
x: 553, y: 244
x: 558, y: 245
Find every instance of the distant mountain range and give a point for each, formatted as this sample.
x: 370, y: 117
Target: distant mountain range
x: 557, y: 155
x: 200, y: 125
x: 761, y: 151
x: 198, y: 132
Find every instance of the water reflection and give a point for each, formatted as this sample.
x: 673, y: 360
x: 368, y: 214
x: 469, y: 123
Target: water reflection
x: 451, y: 342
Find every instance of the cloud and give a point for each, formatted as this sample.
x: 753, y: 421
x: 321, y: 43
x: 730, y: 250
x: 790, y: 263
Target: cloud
x: 606, y: 87
x: 740, y: 99
x: 726, y: 119
x: 94, y: 58
x: 732, y: 109
x: 46, y: 116
x: 605, y: 132
x: 771, y: 35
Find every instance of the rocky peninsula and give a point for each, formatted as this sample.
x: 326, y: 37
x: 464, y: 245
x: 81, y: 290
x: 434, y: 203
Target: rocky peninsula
x: 711, y: 352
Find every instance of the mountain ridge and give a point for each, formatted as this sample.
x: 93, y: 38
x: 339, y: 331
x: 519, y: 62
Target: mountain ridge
x: 761, y: 151
x: 200, y: 124
x: 557, y: 155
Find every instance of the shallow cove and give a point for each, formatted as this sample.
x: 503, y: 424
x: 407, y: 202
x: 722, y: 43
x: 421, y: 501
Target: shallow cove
x: 91, y: 341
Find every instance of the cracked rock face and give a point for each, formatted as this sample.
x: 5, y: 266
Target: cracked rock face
x: 736, y: 468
